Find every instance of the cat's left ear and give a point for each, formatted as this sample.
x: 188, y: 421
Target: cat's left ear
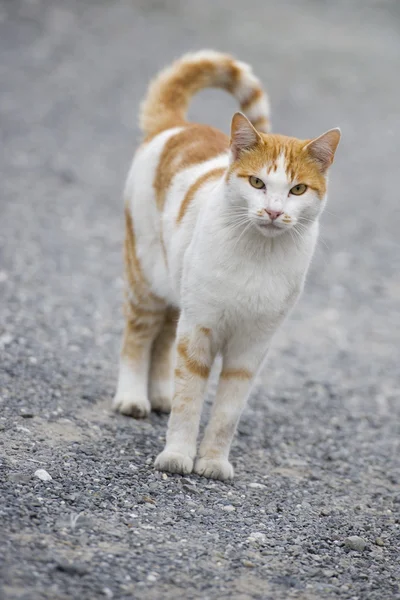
x: 323, y: 148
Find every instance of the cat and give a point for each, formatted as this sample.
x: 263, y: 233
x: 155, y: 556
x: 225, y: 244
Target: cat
x: 219, y: 235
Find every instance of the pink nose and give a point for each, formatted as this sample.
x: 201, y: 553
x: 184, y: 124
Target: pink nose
x: 273, y: 214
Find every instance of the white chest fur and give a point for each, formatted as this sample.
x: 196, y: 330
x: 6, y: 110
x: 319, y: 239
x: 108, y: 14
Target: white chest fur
x: 239, y: 279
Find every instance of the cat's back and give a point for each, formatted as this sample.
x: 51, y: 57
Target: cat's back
x: 158, y: 195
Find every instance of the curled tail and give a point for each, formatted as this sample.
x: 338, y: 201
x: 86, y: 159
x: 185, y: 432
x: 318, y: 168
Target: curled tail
x: 170, y: 92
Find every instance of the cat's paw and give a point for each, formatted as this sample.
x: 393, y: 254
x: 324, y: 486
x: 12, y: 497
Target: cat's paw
x: 126, y: 404
x: 214, y: 468
x: 174, y: 462
x: 161, y: 404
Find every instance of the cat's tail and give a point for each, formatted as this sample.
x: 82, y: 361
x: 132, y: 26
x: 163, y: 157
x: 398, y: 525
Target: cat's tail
x: 170, y: 92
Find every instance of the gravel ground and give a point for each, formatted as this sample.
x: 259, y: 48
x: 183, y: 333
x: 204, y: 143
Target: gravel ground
x: 317, y: 452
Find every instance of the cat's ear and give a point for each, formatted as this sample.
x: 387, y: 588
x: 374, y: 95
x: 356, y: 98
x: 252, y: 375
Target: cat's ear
x: 243, y: 135
x: 323, y: 148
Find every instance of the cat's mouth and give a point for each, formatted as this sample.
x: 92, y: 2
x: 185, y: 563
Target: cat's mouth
x: 270, y: 228
x: 269, y: 225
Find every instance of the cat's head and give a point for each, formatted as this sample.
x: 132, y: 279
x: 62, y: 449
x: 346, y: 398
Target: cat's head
x: 278, y: 182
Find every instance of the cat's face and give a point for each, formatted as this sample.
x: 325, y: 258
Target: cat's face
x: 278, y: 183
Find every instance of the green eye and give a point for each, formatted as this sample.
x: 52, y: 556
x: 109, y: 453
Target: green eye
x: 298, y: 189
x: 256, y: 183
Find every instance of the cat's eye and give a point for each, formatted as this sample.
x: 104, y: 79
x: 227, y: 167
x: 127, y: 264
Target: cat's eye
x: 298, y: 189
x: 256, y: 182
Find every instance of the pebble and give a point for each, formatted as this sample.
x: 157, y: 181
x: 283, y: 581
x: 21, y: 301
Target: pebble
x: 26, y: 414
x: 379, y: 541
x: 43, y: 475
x: 257, y: 486
x: 23, y: 429
x: 257, y: 537
x: 325, y: 512
x: 228, y: 508
x: 248, y: 563
x: 354, y: 542
x: 5, y: 339
x: 296, y: 550
x: 71, y: 568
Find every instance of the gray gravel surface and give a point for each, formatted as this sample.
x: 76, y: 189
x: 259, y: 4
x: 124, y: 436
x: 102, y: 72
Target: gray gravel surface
x: 314, y: 510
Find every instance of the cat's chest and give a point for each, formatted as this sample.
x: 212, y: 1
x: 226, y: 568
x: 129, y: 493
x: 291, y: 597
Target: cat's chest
x: 244, y: 289
x: 259, y: 289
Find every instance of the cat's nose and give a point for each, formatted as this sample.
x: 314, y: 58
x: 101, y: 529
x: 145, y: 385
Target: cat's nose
x: 273, y: 214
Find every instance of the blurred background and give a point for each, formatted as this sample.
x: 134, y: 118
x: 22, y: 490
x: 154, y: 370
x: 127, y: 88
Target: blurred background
x: 323, y: 426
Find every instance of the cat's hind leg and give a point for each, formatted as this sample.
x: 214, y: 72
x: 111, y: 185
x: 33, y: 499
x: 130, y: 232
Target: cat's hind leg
x: 162, y: 364
x: 144, y: 317
x: 141, y: 328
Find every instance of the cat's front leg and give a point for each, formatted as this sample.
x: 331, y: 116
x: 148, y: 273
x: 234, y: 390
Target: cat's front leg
x: 193, y: 363
x: 241, y: 362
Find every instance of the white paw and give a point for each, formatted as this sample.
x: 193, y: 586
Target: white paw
x: 174, y: 462
x: 214, y: 468
x: 161, y: 404
x: 126, y: 404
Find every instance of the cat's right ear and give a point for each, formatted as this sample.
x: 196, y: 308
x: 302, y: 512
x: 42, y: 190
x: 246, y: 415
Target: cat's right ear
x: 243, y: 135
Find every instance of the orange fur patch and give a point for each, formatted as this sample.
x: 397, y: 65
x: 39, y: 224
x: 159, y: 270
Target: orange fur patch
x: 144, y: 311
x: 205, y: 330
x: 194, y: 366
x: 194, y: 145
x: 236, y: 374
x: 194, y: 188
x: 254, y: 97
x: 161, y: 363
x: 134, y: 276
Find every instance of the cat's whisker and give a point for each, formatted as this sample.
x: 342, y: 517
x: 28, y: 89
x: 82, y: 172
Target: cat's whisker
x: 235, y: 222
x: 242, y: 234
x: 319, y: 237
x: 234, y: 229
x: 291, y: 231
x: 332, y: 214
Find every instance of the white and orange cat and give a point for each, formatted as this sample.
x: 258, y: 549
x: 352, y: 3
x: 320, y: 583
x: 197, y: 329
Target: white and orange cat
x: 219, y: 237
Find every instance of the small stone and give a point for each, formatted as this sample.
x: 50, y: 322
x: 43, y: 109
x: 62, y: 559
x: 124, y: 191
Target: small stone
x: 354, y: 542
x: 248, y: 563
x: 296, y: 550
x: 228, y: 508
x: 71, y: 568
x: 23, y: 429
x: 43, y: 475
x: 379, y: 541
x: 257, y: 537
x: 26, y: 414
x: 329, y: 573
x: 5, y: 339
x: 148, y: 500
x: 152, y: 577
x: 257, y: 486
x: 186, y: 480
x: 108, y: 593
x: 189, y: 488
x: 325, y: 512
